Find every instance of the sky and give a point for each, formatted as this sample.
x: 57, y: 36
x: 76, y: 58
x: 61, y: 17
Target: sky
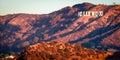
x: 42, y: 6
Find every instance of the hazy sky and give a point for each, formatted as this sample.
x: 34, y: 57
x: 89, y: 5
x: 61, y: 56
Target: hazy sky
x: 42, y: 6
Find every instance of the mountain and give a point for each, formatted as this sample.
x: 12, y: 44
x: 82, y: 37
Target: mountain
x: 63, y: 51
x: 18, y: 31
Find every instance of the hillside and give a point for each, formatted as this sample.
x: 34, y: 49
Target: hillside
x: 18, y: 31
x: 63, y: 51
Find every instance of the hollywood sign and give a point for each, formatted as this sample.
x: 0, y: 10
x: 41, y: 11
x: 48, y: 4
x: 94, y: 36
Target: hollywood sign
x: 90, y: 13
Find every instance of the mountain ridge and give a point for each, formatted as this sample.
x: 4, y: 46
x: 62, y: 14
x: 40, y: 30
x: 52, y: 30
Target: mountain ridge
x: 21, y: 30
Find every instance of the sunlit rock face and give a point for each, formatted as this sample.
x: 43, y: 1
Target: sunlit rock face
x: 63, y: 51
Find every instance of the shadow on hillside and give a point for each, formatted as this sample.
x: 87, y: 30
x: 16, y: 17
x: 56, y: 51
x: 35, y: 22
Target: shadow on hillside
x: 58, y: 28
x: 80, y: 28
x: 8, y: 32
x: 39, y: 23
x: 50, y: 29
x: 61, y: 25
x: 98, y: 34
x: 115, y: 56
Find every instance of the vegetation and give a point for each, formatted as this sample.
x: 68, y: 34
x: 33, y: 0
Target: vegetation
x: 61, y: 51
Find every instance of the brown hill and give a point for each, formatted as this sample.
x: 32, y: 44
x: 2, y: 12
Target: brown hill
x: 18, y: 31
x: 63, y: 51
